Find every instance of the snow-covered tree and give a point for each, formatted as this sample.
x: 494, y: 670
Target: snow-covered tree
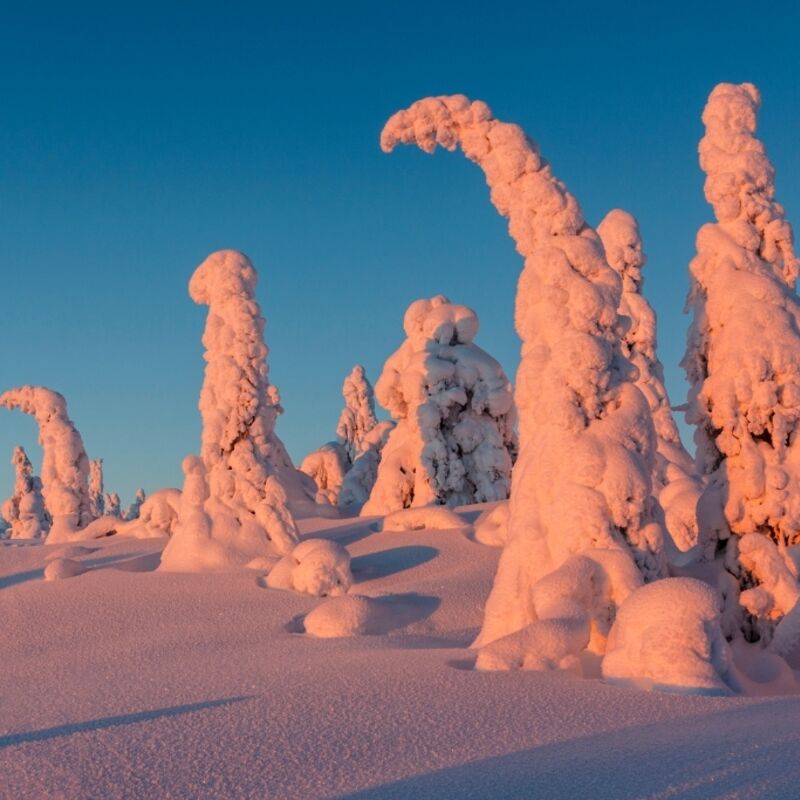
x: 582, y: 523
x: 327, y: 466
x: 96, y: 495
x: 134, y: 509
x: 743, y: 364
x: 246, y: 467
x: 358, y: 415
x: 24, y: 510
x: 111, y: 504
x: 455, y: 439
x: 65, y: 466
x: 675, y: 480
x: 360, y: 478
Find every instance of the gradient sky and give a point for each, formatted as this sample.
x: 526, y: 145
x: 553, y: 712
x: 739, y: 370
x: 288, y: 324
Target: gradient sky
x: 135, y: 140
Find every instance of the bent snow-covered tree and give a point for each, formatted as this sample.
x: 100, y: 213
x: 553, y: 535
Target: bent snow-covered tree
x: 24, y: 510
x: 675, y: 480
x: 743, y: 364
x: 244, y: 509
x: 455, y: 437
x: 65, y: 466
x: 582, y: 523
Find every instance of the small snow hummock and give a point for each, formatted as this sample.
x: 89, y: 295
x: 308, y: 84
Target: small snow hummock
x: 582, y: 482
x: 491, y: 527
x: 58, y: 569
x: 455, y: 439
x: 423, y: 518
x: 65, y: 466
x: 24, y: 510
x: 237, y: 492
x: 741, y: 361
x: 316, y: 566
x: 668, y: 636
x: 675, y: 480
x: 338, y: 617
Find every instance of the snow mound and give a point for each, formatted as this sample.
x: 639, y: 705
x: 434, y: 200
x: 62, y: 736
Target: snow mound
x: 157, y: 516
x: 350, y: 615
x: 668, y: 636
x: 491, y: 527
x: 316, y: 566
x: 425, y: 518
x: 60, y: 568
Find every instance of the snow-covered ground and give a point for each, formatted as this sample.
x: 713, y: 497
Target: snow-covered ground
x: 125, y: 682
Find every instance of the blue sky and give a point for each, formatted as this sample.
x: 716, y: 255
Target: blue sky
x: 135, y: 139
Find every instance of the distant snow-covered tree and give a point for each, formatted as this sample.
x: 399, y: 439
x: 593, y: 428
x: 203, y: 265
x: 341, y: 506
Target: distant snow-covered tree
x: 675, y: 480
x: 327, y: 466
x: 24, y: 510
x: 358, y: 415
x: 96, y: 495
x: 65, y: 466
x: 455, y: 439
x: 243, y: 509
x: 111, y: 504
x: 134, y: 509
x: 743, y: 364
x: 583, y: 531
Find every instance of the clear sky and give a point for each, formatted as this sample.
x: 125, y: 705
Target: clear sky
x: 136, y: 138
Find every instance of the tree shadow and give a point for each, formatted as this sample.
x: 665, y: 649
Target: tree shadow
x: 387, y: 562
x: 714, y: 755
x: 14, y: 739
x: 21, y: 577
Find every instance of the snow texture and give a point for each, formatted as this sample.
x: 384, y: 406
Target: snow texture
x: 65, y: 466
x: 675, y: 480
x: 24, y: 510
x: 668, y: 636
x: 234, y: 496
x: 423, y: 518
x: 316, y: 566
x: 582, y: 482
x: 454, y: 440
x: 743, y: 367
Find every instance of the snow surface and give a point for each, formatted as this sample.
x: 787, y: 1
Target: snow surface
x: 128, y: 682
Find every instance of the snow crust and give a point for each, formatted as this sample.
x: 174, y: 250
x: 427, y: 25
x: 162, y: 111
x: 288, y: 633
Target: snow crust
x: 65, y: 466
x: 668, y: 635
x: 316, y: 566
x: 455, y: 439
x: 582, y: 482
x: 676, y: 482
x: 741, y: 362
x: 24, y: 511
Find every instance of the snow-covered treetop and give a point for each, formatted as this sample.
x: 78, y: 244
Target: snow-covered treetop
x: 65, y: 466
x: 358, y: 415
x: 740, y: 179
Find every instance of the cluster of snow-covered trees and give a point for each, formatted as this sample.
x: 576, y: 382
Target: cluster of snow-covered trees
x: 621, y: 552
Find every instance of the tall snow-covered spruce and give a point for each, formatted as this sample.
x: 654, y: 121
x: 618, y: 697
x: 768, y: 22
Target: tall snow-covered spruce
x: 358, y: 415
x: 453, y: 403
x: 675, y: 480
x: 24, y: 510
x: 743, y: 363
x: 65, y: 466
x: 234, y: 506
x: 582, y: 530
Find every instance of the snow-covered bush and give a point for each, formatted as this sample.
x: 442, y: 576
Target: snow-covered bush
x: 675, y: 479
x: 158, y: 516
x: 24, y: 510
x: 316, y: 566
x: 135, y: 508
x: 743, y: 364
x: 96, y: 495
x: 455, y: 437
x: 360, y: 478
x: 668, y: 636
x: 327, y: 466
x: 244, y: 468
x: 65, y: 466
x: 582, y: 520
